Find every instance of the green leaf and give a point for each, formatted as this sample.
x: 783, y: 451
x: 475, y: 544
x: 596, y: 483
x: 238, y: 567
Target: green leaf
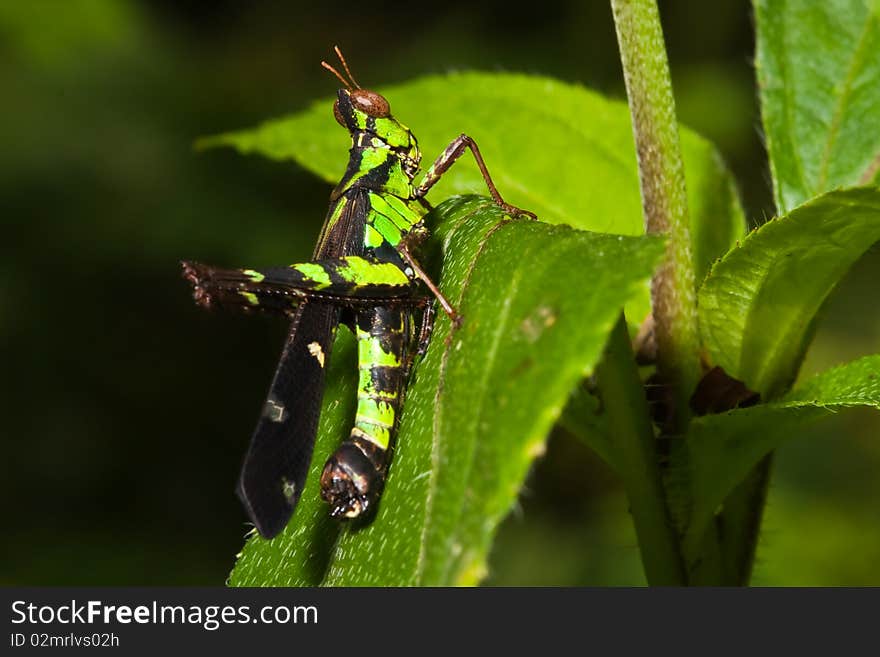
x: 819, y: 76
x: 479, y: 405
x: 723, y: 448
x: 557, y: 149
x: 757, y: 305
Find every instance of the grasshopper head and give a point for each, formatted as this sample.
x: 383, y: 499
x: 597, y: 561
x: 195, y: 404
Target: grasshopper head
x: 360, y: 110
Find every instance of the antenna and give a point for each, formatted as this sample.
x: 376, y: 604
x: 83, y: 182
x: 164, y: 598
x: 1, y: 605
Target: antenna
x: 348, y: 85
x: 345, y: 66
x: 344, y: 82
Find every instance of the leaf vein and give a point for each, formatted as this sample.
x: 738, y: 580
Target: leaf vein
x: 856, y: 62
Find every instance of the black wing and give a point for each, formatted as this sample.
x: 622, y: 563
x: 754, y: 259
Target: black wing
x: 278, y: 457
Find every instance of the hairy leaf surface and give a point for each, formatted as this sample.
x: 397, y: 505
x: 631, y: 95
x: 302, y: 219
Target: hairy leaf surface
x: 758, y: 303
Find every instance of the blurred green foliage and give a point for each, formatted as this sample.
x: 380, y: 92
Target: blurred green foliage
x: 126, y: 410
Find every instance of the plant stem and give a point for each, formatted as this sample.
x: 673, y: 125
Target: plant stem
x: 635, y: 454
x: 741, y: 523
x: 664, y: 196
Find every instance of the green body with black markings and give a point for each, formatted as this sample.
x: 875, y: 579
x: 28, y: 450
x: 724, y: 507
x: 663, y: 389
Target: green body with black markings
x: 362, y: 274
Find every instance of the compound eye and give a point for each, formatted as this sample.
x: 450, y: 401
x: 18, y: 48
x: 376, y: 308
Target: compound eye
x: 337, y: 114
x: 370, y: 103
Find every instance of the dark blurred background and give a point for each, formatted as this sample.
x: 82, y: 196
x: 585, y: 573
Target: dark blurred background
x: 126, y: 410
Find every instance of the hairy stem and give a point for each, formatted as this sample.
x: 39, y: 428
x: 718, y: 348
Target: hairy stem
x: 635, y: 454
x: 664, y: 196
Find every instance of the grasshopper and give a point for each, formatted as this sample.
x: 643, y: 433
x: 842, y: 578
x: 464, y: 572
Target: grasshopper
x: 363, y: 274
